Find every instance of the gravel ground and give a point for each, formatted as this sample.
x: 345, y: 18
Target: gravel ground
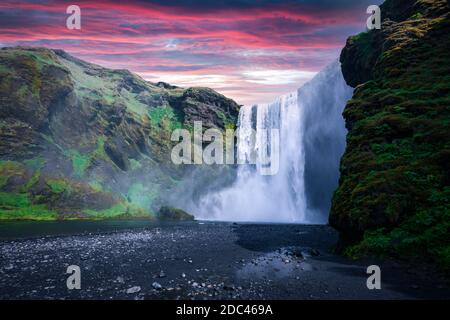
x: 204, y: 261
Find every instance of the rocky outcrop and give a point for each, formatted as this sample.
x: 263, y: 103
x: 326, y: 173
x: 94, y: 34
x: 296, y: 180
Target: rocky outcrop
x: 81, y: 141
x: 394, y: 195
x: 166, y: 213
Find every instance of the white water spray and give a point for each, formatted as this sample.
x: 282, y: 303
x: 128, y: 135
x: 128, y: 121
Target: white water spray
x: 311, y: 114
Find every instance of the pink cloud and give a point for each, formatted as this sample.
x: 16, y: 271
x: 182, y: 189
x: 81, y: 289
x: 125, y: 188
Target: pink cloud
x: 188, y: 44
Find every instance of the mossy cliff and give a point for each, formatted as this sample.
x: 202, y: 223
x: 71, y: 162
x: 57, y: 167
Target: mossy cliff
x: 81, y: 141
x: 394, y: 195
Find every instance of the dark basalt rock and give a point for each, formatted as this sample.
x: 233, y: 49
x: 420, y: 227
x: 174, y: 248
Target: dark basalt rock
x: 173, y: 214
x: 393, y: 194
x: 359, y: 56
x: 101, y: 131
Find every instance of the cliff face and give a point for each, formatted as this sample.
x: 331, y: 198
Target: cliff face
x: 394, y: 195
x: 78, y: 140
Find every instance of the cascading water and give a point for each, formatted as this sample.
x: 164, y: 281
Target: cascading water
x: 311, y: 141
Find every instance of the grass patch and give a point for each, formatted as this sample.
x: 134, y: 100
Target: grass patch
x: 165, y: 117
x: 100, y: 152
x: 58, y: 185
x: 80, y: 162
x: 18, y: 206
x: 35, y: 163
x: 33, y: 180
x: 142, y: 196
x: 96, y: 186
x: 121, y: 210
x: 3, y: 181
x: 12, y: 199
x: 135, y: 164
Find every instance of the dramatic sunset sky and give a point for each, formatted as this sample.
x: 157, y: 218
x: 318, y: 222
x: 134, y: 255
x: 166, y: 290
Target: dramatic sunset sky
x: 252, y: 51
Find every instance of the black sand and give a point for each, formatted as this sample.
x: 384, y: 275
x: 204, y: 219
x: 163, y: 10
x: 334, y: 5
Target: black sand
x: 204, y: 261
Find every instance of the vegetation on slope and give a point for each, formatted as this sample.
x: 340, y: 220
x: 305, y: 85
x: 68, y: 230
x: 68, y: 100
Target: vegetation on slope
x: 394, y: 194
x: 81, y: 141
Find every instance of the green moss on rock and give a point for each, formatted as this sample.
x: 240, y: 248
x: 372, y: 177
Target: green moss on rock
x: 167, y: 213
x: 58, y: 185
x: 121, y: 210
x: 84, y: 141
x: 393, y: 197
x: 80, y: 162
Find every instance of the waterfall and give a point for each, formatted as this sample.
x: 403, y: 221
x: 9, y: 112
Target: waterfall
x: 311, y: 136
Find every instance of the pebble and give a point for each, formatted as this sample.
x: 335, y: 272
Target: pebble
x: 133, y: 289
x: 228, y: 287
x: 156, y: 286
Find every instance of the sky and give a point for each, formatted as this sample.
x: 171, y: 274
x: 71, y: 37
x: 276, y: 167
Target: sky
x: 251, y: 51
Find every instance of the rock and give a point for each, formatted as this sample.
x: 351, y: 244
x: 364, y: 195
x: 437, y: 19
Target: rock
x: 162, y: 274
x: 183, y: 275
x: 120, y: 280
x: 305, y: 254
x: 107, y: 134
x: 208, y: 105
x: 156, y: 286
x: 386, y: 67
x: 306, y: 266
x: 167, y: 213
x: 228, y: 287
x: 165, y: 85
x: 133, y: 289
x: 297, y: 253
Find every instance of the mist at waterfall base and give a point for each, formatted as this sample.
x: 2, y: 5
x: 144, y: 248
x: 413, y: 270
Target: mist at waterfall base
x: 312, y: 140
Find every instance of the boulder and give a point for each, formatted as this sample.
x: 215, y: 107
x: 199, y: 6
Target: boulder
x: 167, y: 213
